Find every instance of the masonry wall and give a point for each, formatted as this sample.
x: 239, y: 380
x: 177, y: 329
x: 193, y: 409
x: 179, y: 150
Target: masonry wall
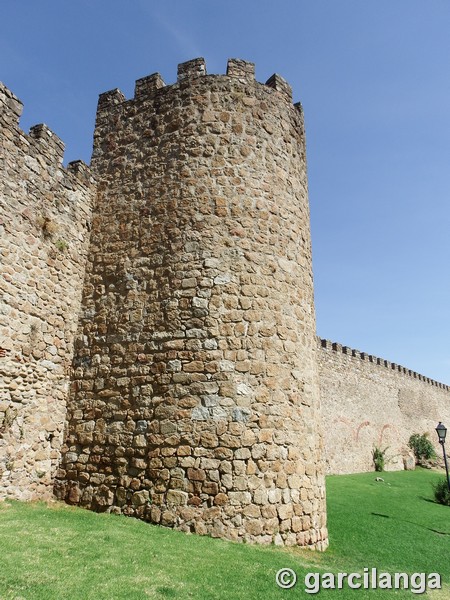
x: 45, y: 212
x: 195, y: 370
x: 196, y: 400
x: 369, y: 402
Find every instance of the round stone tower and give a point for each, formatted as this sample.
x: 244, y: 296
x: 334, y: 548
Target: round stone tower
x: 195, y: 397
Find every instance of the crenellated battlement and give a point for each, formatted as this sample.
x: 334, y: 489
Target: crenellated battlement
x: 10, y: 105
x: 109, y: 99
x: 241, y: 69
x: 41, y: 145
x: 364, y: 356
x: 50, y: 143
x: 116, y: 115
x: 146, y: 86
x: 190, y: 71
x: 276, y: 82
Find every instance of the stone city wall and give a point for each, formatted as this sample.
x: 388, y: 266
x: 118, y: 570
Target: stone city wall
x: 45, y: 212
x: 185, y: 320
x: 196, y: 399
x: 369, y: 402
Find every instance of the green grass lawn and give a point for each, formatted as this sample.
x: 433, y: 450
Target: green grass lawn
x: 59, y: 552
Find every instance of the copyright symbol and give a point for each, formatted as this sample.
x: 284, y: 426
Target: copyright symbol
x: 286, y: 578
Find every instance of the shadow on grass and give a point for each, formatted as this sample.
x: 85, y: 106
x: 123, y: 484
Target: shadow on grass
x: 427, y: 500
x: 413, y: 522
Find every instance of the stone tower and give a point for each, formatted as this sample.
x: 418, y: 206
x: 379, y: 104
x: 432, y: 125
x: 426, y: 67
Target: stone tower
x: 195, y: 399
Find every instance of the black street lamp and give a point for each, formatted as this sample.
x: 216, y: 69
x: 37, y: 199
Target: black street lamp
x: 441, y: 430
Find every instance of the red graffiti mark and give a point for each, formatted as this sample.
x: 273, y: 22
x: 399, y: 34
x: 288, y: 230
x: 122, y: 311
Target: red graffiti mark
x: 383, y: 429
x: 342, y: 420
x: 364, y: 424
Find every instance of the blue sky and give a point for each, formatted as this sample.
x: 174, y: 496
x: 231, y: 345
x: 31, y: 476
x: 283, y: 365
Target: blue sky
x: 374, y: 80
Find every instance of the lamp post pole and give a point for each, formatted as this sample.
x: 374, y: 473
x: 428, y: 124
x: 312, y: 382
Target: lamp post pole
x: 441, y: 430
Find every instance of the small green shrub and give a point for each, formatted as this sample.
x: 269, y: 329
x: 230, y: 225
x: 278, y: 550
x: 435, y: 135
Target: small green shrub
x: 441, y: 492
x: 422, y: 447
x: 61, y: 245
x: 379, y: 459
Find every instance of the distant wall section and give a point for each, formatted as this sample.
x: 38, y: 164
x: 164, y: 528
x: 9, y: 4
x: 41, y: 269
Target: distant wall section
x: 45, y: 213
x: 369, y: 402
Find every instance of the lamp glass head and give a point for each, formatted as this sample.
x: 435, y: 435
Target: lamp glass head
x: 441, y: 430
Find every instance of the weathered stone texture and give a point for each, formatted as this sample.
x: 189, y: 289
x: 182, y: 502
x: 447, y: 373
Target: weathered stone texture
x: 195, y: 401
x: 45, y: 212
x: 192, y: 354
x: 195, y: 370
x: 369, y: 402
